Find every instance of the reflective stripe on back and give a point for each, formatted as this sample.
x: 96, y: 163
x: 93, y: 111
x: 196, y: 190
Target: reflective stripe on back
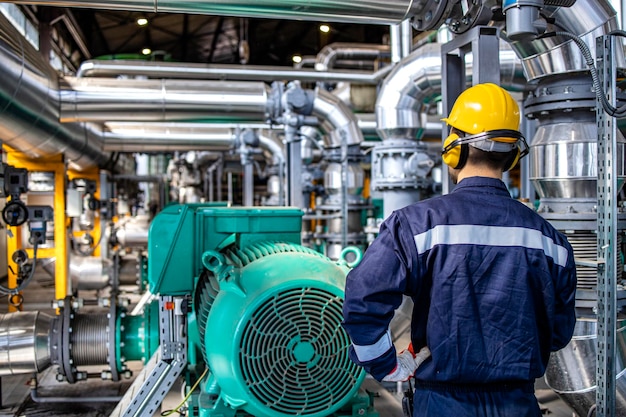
x: 474, y: 234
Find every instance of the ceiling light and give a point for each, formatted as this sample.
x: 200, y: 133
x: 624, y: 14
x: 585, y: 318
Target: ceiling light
x: 146, y: 51
x: 142, y: 21
x: 296, y: 59
x: 324, y: 28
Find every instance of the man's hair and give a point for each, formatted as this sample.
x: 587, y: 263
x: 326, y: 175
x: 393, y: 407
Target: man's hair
x: 493, y: 160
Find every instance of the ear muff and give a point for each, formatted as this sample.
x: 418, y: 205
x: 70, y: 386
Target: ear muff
x: 454, y: 153
x: 512, y: 161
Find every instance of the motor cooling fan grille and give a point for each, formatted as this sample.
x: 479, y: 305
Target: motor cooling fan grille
x: 294, y: 353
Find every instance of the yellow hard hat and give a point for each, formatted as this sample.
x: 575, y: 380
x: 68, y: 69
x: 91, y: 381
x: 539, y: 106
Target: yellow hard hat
x: 482, y: 108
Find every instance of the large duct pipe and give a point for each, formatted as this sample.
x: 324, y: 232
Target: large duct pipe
x: 587, y: 19
x: 95, y: 99
x: 349, y: 11
x: 415, y: 82
x: 24, y: 342
x: 571, y: 372
x: 29, y: 102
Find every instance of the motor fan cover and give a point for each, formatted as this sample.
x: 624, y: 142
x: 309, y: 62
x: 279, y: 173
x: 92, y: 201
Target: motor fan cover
x: 273, y: 337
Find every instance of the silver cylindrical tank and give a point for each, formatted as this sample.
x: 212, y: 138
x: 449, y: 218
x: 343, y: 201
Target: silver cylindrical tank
x: 24, y: 342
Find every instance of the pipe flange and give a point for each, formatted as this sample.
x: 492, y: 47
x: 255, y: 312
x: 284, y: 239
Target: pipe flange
x: 112, y: 357
x: 433, y: 13
x: 563, y: 95
x: 479, y: 13
x: 65, y: 359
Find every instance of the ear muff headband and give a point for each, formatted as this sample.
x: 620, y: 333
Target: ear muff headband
x: 454, y: 154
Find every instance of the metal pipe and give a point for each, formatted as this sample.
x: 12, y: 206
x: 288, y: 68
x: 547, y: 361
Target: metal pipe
x: 587, y: 19
x: 248, y: 184
x: 396, y: 43
x: 273, y: 147
x: 415, y: 82
x: 89, y: 272
x: 329, y: 54
x: 29, y: 107
x: 93, y: 99
x: 24, y: 342
x: 224, y: 72
x: 337, y: 120
x: 406, y: 37
x: 348, y: 11
x: 164, y: 137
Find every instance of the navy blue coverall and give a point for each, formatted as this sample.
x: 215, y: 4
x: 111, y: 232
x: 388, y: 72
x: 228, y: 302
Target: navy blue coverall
x: 493, y: 286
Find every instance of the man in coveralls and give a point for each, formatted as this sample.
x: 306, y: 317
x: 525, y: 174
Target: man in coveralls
x: 493, y: 284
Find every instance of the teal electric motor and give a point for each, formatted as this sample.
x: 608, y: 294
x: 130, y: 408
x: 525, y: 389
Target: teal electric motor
x: 267, y: 310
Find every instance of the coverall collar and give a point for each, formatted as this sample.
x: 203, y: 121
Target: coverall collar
x: 485, y: 184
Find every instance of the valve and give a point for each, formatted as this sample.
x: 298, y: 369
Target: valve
x: 13, y: 181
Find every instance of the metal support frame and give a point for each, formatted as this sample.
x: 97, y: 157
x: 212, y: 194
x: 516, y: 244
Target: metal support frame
x: 166, y: 364
x: 607, y: 232
x: 483, y: 43
x: 56, y: 165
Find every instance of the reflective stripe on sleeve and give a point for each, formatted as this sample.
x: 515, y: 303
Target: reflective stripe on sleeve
x: 370, y: 352
x: 470, y: 234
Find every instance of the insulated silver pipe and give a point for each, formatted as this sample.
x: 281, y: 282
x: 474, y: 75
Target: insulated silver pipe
x: 416, y: 82
x: 329, y: 54
x: 273, y: 148
x: 224, y: 72
x: 24, y: 342
x: 90, y: 272
x: 165, y: 137
x: 587, y: 19
x: 337, y: 120
x: 94, y: 99
x: 29, y: 107
x: 349, y: 11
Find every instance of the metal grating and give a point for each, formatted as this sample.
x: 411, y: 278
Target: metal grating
x: 585, y: 245
x: 294, y: 353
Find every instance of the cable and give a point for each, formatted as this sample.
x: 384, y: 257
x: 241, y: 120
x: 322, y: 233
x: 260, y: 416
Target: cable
x: 177, y: 408
x: 12, y: 291
x: 591, y: 410
x: 612, y: 111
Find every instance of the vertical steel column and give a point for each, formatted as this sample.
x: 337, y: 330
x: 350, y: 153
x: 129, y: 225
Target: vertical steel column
x: 483, y: 43
x: 607, y: 232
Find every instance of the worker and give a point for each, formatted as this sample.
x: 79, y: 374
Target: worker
x: 492, y: 283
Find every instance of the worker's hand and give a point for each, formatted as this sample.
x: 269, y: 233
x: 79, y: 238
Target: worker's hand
x: 421, y: 356
x: 407, y: 364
